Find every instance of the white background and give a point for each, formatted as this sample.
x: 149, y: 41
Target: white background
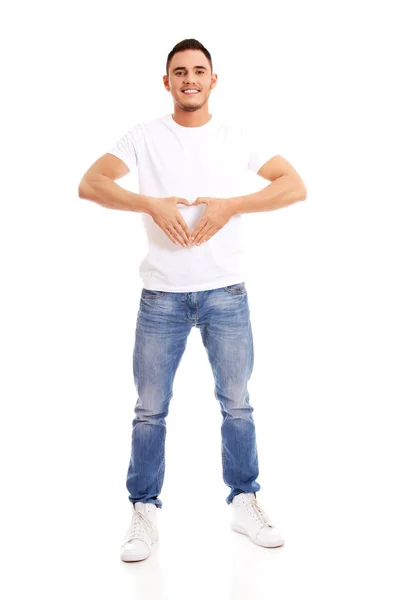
x: 318, y: 81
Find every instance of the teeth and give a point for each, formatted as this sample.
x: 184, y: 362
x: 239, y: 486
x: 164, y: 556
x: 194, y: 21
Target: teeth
x: 191, y: 92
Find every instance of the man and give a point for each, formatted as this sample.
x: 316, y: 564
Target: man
x: 192, y: 168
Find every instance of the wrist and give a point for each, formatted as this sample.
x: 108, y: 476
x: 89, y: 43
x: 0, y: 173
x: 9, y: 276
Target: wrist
x: 234, y: 205
x: 149, y: 205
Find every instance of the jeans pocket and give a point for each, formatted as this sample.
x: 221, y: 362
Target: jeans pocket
x: 151, y: 294
x: 236, y: 289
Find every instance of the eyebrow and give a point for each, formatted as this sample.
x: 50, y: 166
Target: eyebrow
x: 184, y: 68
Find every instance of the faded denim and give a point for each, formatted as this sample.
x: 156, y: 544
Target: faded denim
x: 164, y: 322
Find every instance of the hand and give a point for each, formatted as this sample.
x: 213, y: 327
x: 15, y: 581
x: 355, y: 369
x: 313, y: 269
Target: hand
x: 167, y: 216
x: 216, y: 215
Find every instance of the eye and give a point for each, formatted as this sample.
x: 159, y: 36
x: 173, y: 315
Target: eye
x: 178, y: 72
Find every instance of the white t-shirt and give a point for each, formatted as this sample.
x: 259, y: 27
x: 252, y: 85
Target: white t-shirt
x: 189, y: 162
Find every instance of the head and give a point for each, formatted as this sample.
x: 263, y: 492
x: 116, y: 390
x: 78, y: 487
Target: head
x: 189, y: 65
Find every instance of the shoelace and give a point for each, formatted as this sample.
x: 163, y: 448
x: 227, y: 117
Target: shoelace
x: 260, y: 512
x: 140, y: 521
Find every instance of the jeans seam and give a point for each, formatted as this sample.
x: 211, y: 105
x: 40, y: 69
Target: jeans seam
x: 159, y: 471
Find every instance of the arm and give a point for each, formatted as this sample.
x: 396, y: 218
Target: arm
x: 286, y: 188
x: 99, y: 186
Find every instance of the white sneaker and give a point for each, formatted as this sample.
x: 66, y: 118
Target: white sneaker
x: 142, y: 532
x: 250, y: 518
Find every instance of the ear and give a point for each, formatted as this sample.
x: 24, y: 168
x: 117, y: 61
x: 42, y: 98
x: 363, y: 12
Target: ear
x: 166, y: 83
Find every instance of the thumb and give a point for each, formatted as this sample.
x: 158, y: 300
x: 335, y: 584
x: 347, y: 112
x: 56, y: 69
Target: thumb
x: 184, y: 201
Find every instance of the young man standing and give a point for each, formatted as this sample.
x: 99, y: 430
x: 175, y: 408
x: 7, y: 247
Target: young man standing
x: 192, y: 168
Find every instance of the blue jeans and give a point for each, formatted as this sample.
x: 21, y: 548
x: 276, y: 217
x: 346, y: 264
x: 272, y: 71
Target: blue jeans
x: 164, y: 322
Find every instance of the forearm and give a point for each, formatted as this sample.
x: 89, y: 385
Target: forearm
x: 108, y: 193
x: 283, y: 191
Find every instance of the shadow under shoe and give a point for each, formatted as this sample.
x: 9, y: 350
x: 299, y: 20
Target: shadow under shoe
x: 142, y: 532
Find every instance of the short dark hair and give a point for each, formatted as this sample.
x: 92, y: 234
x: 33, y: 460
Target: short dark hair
x: 189, y: 44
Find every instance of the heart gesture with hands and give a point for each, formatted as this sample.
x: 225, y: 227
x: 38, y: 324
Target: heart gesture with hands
x: 167, y: 216
x: 216, y: 215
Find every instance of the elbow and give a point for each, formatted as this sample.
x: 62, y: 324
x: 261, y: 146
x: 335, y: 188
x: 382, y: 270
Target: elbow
x: 297, y: 187
x: 302, y: 191
x: 83, y: 189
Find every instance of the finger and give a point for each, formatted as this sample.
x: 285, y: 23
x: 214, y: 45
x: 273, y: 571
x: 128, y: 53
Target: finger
x: 182, y: 223
x: 181, y: 232
x: 172, y: 234
x: 203, y: 234
x: 210, y: 235
x: 178, y: 236
x: 202, y: 223
x: 169, y: 235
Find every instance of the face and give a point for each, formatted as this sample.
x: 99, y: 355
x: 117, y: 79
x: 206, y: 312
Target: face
x: 190, y: 69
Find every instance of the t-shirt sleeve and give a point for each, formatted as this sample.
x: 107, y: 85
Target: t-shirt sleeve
x: 258, y: 149
x: 127, y: 148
